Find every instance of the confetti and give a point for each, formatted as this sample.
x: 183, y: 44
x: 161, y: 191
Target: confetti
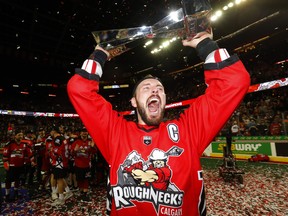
x: 265, y: 192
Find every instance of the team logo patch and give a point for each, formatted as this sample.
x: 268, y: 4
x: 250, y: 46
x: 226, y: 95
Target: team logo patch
x: 147, y: 140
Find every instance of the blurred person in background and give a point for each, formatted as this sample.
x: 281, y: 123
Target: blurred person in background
x: 276, y: 126
x: 30, y: 140
x: 82, y: 150
x: 59, y: 161
x: 40, y: 154
x: 71, y: 180
x: 15, y: 153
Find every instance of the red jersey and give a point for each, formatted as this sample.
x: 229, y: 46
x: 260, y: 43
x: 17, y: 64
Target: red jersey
x: 46, y: 161
x: 82, y: 156
x: 275, y: 129
x: 59, y: 152
x: 17, y: 153
x: 70, y: 141
x: 39, y: 146
x: 30, y: 145
x: 182, y: 141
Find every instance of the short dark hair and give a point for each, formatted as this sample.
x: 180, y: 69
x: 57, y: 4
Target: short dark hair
x: 55, y: 128
x: 83, y: 129
x: 18, y: 130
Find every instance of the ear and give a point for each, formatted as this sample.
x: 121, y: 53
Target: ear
x: 133, y: 102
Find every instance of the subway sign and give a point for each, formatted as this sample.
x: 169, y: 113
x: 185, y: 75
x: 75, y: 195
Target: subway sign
x: 244, y: 148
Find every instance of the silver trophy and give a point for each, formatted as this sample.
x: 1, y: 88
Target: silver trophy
x: 186, y: 22
x: 196, y: 16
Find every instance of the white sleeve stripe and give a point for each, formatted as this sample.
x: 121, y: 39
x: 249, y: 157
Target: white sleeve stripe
x: 92, y: 67
x: 224, y: 54
x: 217, y: 56
x: 85, y: 64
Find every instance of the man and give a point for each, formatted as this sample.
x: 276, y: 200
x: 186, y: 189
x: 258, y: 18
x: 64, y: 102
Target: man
x: 15, y: 153
x: 182, y: 140
x: 29, y: 139
x: 59, y: 161
x: 82, y: 149
x: 71, y: 180
x: 40, y: 150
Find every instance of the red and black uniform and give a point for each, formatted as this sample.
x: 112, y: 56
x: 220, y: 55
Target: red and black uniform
x: 40, y: 154
x: 183, y: 140
x: 15, y: 156
x: 59, y: 157
x: 82, y: 157
x: 17, y: 153
x: 71, y: 158
x: 43, y: 164
x: 29, y: 169
x: 46, y: 163
x: 82, y: 152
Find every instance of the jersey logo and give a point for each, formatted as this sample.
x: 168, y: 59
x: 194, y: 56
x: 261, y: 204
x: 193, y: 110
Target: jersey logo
x: 147, y: 140
x: 148, y: 181
x: 173, y: 132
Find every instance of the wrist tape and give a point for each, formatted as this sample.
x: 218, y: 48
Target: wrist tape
x: 99, y: 56
x: 205, y: 47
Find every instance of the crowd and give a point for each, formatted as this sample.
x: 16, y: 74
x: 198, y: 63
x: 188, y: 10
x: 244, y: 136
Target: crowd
x: 59, y: 162
x: 258, y: 114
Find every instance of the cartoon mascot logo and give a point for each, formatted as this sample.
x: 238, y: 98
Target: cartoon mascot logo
x: 147, y: 180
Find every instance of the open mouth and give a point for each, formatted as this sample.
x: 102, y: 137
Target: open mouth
x: 154, y: 104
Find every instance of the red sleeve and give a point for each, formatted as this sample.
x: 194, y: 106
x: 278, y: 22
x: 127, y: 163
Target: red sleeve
x: 95, y: 112
x: 228, y: 82
x: 6, y: 153
x: 28, y: 150
x: 164, y: 174
x: 138, y: 165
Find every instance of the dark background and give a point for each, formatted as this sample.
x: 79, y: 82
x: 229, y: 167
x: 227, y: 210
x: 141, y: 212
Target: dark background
x: 44, y: 40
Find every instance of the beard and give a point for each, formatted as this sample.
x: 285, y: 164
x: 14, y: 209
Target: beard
x: 154, y: 121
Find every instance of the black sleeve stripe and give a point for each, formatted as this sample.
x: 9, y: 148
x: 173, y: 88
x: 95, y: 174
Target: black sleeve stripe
x: 87, y: 75
x: 219, y: 65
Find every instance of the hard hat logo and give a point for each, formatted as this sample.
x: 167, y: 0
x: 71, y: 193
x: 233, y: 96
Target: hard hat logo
x: 158, y: 155
x: 152, y: 176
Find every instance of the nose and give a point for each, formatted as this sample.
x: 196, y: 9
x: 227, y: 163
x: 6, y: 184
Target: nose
x: 155, y: 90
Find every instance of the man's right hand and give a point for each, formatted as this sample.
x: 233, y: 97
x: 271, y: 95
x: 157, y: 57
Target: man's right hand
x: 198, y: 38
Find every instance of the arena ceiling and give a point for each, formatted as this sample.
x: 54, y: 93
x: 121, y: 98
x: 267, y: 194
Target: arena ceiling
x: 44, y: 40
